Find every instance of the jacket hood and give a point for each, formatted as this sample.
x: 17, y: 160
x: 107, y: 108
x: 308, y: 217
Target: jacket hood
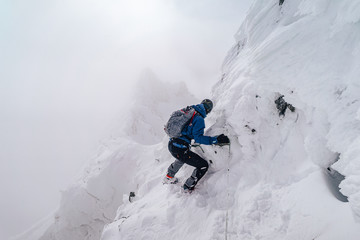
x: 200, y: 109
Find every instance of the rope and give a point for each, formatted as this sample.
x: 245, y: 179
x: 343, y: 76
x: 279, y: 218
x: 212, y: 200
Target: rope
x: 228, y: 194
x: 227, y: 185
x: 199, y: 146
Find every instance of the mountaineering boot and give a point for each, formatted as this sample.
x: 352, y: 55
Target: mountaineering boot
x: 170, y: 180
x: 187, y: 189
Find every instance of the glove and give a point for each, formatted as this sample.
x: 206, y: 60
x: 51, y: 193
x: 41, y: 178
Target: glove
x: 222, y: 139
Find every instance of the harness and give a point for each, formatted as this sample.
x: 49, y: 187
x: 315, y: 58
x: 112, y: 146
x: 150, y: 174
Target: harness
x: 179, y: 143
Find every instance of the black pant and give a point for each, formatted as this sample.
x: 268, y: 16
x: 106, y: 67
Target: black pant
x: 180, y: 149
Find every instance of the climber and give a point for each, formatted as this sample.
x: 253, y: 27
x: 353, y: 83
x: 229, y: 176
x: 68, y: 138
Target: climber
x: 180, y: 147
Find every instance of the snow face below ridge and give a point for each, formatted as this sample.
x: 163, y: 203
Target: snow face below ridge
x: 309, y: 52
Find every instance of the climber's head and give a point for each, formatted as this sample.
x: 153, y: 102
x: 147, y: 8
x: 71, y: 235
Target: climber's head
x: 208, y: 105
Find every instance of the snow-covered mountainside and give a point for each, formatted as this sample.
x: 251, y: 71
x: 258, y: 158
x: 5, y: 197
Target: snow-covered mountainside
x: 272, y: 182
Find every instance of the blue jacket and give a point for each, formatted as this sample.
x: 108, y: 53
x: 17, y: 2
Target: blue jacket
x: 195, y: 130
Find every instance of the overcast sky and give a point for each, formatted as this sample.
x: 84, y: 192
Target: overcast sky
x: 68, y: 66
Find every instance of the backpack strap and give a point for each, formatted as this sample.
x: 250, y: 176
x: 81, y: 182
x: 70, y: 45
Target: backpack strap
x: 192, y: 118
x: 190, y: 125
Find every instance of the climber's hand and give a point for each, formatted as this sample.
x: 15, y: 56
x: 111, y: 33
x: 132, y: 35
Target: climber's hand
x: 222, y: 139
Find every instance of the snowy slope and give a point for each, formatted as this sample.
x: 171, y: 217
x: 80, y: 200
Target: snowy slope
x: 271, y: 183
x: 275, y: 187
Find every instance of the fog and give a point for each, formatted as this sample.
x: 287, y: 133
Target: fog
x: 67, y: 69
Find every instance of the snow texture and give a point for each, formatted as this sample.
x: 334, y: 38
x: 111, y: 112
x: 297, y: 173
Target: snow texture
x: 270, y: 183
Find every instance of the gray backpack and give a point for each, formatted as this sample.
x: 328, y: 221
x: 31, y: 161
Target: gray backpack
x: 178, y: 120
